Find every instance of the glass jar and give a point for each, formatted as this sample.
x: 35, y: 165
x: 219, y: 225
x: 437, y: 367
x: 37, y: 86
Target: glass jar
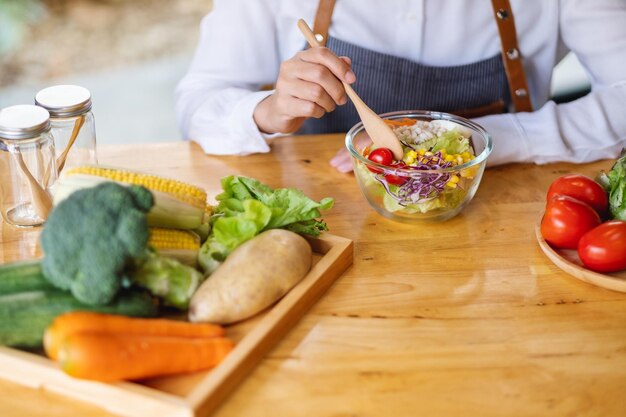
x: 27, y: 165
x: 73, y: 124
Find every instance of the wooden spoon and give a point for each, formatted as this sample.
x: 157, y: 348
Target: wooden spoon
x: 376, y: 128
x: 41, y: 200
x: 61, y: 159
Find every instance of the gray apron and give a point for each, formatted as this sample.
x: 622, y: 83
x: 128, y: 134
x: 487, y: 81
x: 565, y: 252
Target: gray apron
x: 388, y: 83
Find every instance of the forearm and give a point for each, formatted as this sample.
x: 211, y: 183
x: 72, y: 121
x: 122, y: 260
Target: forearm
x: 222, y: 121
x: 216, y: 98
x: 588, y: 129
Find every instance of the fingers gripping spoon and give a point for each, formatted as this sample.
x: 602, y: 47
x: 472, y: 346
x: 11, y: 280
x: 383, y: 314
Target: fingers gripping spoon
x: 376, y: 128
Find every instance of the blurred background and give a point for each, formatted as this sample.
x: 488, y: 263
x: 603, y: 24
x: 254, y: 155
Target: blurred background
x: 130, y: 54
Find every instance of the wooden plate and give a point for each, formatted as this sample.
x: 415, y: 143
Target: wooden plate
x: 568, y: 261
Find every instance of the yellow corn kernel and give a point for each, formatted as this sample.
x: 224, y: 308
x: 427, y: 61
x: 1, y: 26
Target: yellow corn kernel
x: 181, y: 191
x: 410, y: 156
x: 469, y: 172
x: 454, y: 179
x: 443, y: 153
x: 467, y: 156
x: 421, y: 151
x: 451, y: 184
x: 162, y: 238
x: 449, y: 158
x: 428, y: 153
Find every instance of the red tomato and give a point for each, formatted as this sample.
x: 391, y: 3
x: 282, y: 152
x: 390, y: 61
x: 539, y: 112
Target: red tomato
x: 581, y: 188
x: 396, y: 179
x: 566, y: 220
x: 382, y: 156
x: 603, y: 249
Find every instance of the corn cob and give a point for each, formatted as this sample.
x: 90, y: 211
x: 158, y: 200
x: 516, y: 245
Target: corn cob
x: 177, y: 204
x: 182, y: 245
x: 205, y: 228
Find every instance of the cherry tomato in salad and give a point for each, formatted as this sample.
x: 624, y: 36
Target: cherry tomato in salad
x: 566, y: 220
x: 382, y: 156
x: 396, y: 179
x: 603, y: 249
x: 581, y: 188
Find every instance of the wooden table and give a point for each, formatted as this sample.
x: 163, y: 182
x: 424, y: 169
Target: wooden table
x: 462, y: 318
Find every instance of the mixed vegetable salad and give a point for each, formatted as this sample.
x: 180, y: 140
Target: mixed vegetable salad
x: 408, y: 185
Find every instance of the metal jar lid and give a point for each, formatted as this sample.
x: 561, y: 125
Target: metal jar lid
x: 64, y: 100
x: 24, y: 121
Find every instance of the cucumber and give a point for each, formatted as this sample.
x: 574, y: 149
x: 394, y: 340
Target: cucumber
x: 22, y: 276
x: 24, y: 316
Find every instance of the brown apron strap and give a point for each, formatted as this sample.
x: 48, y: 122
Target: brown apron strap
x: 511, y: 56
x: 496, y: 107
x: 323, y: 17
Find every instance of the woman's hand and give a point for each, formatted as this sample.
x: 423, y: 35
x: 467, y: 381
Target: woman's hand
x: 342, y: 161
x: 308, y: 85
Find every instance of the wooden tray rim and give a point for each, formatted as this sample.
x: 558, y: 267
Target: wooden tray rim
x: 134, y: 399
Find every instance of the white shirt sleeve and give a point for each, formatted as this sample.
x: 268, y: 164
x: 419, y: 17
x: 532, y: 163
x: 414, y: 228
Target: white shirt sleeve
x: 216, y: 99
x: 590, y: 128
x: 243, y: 42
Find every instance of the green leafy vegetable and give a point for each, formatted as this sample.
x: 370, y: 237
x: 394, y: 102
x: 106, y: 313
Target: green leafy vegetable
x: 247, y: 207
x: 451, y: 141
x: 615, y: 184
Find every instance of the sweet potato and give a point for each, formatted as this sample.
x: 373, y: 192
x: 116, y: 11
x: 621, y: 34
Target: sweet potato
x: 252, y: 278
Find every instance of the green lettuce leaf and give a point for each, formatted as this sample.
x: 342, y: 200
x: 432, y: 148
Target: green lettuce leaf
x: 452, y: 141
x: 247, y: 207
x: 241, y: 226
x: 230, y: 229
x: 617, y: 188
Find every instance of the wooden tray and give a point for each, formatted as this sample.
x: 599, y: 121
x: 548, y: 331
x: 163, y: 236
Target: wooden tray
x: 568, y: 261
x: 198, y: 393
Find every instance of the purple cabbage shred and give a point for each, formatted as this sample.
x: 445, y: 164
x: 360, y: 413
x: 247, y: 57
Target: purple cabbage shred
x: 424, y: 187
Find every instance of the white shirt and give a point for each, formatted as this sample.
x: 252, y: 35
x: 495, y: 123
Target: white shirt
x: 243, y: 42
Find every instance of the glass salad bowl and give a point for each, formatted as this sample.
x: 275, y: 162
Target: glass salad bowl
x: 443, y: 163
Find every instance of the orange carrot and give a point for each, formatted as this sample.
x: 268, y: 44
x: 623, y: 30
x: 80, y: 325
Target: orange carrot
x: 115, y: 357
x: 400, y: 122
x: 78, y: 321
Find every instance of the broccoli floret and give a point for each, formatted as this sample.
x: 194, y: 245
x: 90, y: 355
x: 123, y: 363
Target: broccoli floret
x: 96, y: 241
x: 92, y: 236
x: 168, y: 279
